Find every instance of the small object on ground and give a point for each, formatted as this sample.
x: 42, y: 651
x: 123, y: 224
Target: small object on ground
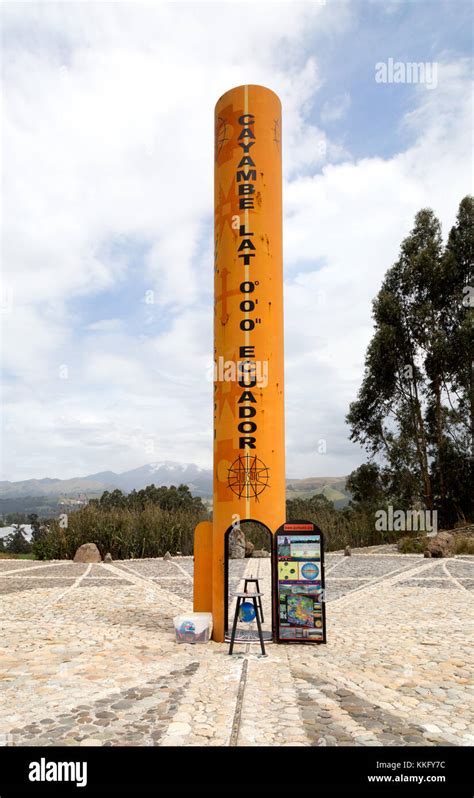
x: 427, y: 553
x: 108, y: 557
x: 88, y: 552
x: 167, y: 556
x: 442, y: 545
x: 347, y: 551
x: 261, y: 553
x: 193, y: 627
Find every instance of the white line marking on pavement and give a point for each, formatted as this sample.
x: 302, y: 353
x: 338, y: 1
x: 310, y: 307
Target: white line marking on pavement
x: 453, y: 578
x: 68, y: 578
x: 386, y: 580
x: 180, y: 568
x: 32, y: 568
x: 76, y: 583
x: 171, y: 598
x: 328, y: 570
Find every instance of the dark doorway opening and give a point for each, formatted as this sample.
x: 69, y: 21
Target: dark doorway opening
x: 252, y: 567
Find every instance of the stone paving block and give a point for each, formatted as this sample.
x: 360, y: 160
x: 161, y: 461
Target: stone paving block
x: 17, y: 585
x: 101, y: 666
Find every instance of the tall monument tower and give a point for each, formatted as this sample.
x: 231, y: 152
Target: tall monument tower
x: 249, y: 444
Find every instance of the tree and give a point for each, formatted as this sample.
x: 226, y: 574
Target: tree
x: 366, y: 486
x: 414, y: 408
x: 451, y: 373
x: 167, y: 498
x: 35, y: 523
x: 16, y: 543
x: 114, y: 499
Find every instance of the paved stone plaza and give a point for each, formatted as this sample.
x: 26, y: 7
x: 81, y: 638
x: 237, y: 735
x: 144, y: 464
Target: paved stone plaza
x: 88, y: 656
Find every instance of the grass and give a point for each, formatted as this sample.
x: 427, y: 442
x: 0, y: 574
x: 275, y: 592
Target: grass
x: 412, y: 545
x: 462, y: 545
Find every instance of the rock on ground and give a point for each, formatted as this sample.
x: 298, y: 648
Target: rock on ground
x: 236, y: 544
x: 88, y: 552
x: 440, y: 546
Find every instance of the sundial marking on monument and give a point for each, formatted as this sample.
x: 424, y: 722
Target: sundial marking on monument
x: 248, y: 477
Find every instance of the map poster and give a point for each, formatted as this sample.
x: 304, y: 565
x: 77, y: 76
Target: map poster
x: 299, y: 577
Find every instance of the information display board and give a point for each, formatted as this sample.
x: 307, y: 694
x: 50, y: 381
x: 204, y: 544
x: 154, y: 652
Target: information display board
x: 299, y: 577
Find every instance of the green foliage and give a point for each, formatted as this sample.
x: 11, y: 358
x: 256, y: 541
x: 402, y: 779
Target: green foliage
x: 412, y: 545
x: 257, y: 534
x: 16, y: 509
x: 415, y: 407
x: 366, y: 485
x: 463, y: 544
x: 170, y: 499
x: 16, y: 543
x: 351, y: 526
x: 147, y: 524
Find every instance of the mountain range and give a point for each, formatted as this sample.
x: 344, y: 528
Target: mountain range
x: 166, y: 473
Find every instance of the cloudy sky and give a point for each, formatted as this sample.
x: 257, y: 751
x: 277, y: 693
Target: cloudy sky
x: 107, y: 146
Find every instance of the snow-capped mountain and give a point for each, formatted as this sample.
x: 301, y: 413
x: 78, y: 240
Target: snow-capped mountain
x: 166, y: 473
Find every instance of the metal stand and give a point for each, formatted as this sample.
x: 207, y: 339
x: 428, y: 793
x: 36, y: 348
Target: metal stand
x: 257, y: 590
x: 253, y: 597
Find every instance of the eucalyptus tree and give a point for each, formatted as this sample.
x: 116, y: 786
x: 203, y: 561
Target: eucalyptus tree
x: 414, y: 409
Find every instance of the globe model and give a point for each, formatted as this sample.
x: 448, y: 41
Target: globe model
x: 246, y: 612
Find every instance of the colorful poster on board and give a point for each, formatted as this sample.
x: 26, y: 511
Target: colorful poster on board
x: 299, y: 576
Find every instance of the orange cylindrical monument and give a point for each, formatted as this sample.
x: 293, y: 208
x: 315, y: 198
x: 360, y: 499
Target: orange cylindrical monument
x: 249, y: 447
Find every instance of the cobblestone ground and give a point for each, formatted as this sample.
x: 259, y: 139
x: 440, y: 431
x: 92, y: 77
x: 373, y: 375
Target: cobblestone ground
x: 88, y: 656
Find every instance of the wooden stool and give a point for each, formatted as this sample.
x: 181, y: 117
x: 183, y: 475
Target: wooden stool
x: 257, y: 590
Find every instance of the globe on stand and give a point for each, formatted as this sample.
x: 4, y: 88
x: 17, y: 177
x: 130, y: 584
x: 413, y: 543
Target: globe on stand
x: 247, y: 612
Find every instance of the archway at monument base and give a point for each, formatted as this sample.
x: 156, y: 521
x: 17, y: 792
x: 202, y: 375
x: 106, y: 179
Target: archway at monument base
x: 256, y: 538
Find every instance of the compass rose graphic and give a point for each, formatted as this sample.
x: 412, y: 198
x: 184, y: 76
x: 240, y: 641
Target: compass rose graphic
x: 248, y: 477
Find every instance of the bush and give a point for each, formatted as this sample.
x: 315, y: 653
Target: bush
x: 147, y: 531
x: 463, y: 544
x: 412, y: 545
x: 257, y: 534
x: 351, y: 526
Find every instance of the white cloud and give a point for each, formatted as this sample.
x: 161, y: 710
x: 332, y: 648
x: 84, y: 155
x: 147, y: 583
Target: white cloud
x: 335, y: 109
x: 106, y: 325
x: 353, y: 217
x: 107, y: 144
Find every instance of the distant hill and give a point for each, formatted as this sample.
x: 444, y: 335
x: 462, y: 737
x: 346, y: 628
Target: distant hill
x: 332, y: 487
x: 164, y: 473
x: 32, y: 492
